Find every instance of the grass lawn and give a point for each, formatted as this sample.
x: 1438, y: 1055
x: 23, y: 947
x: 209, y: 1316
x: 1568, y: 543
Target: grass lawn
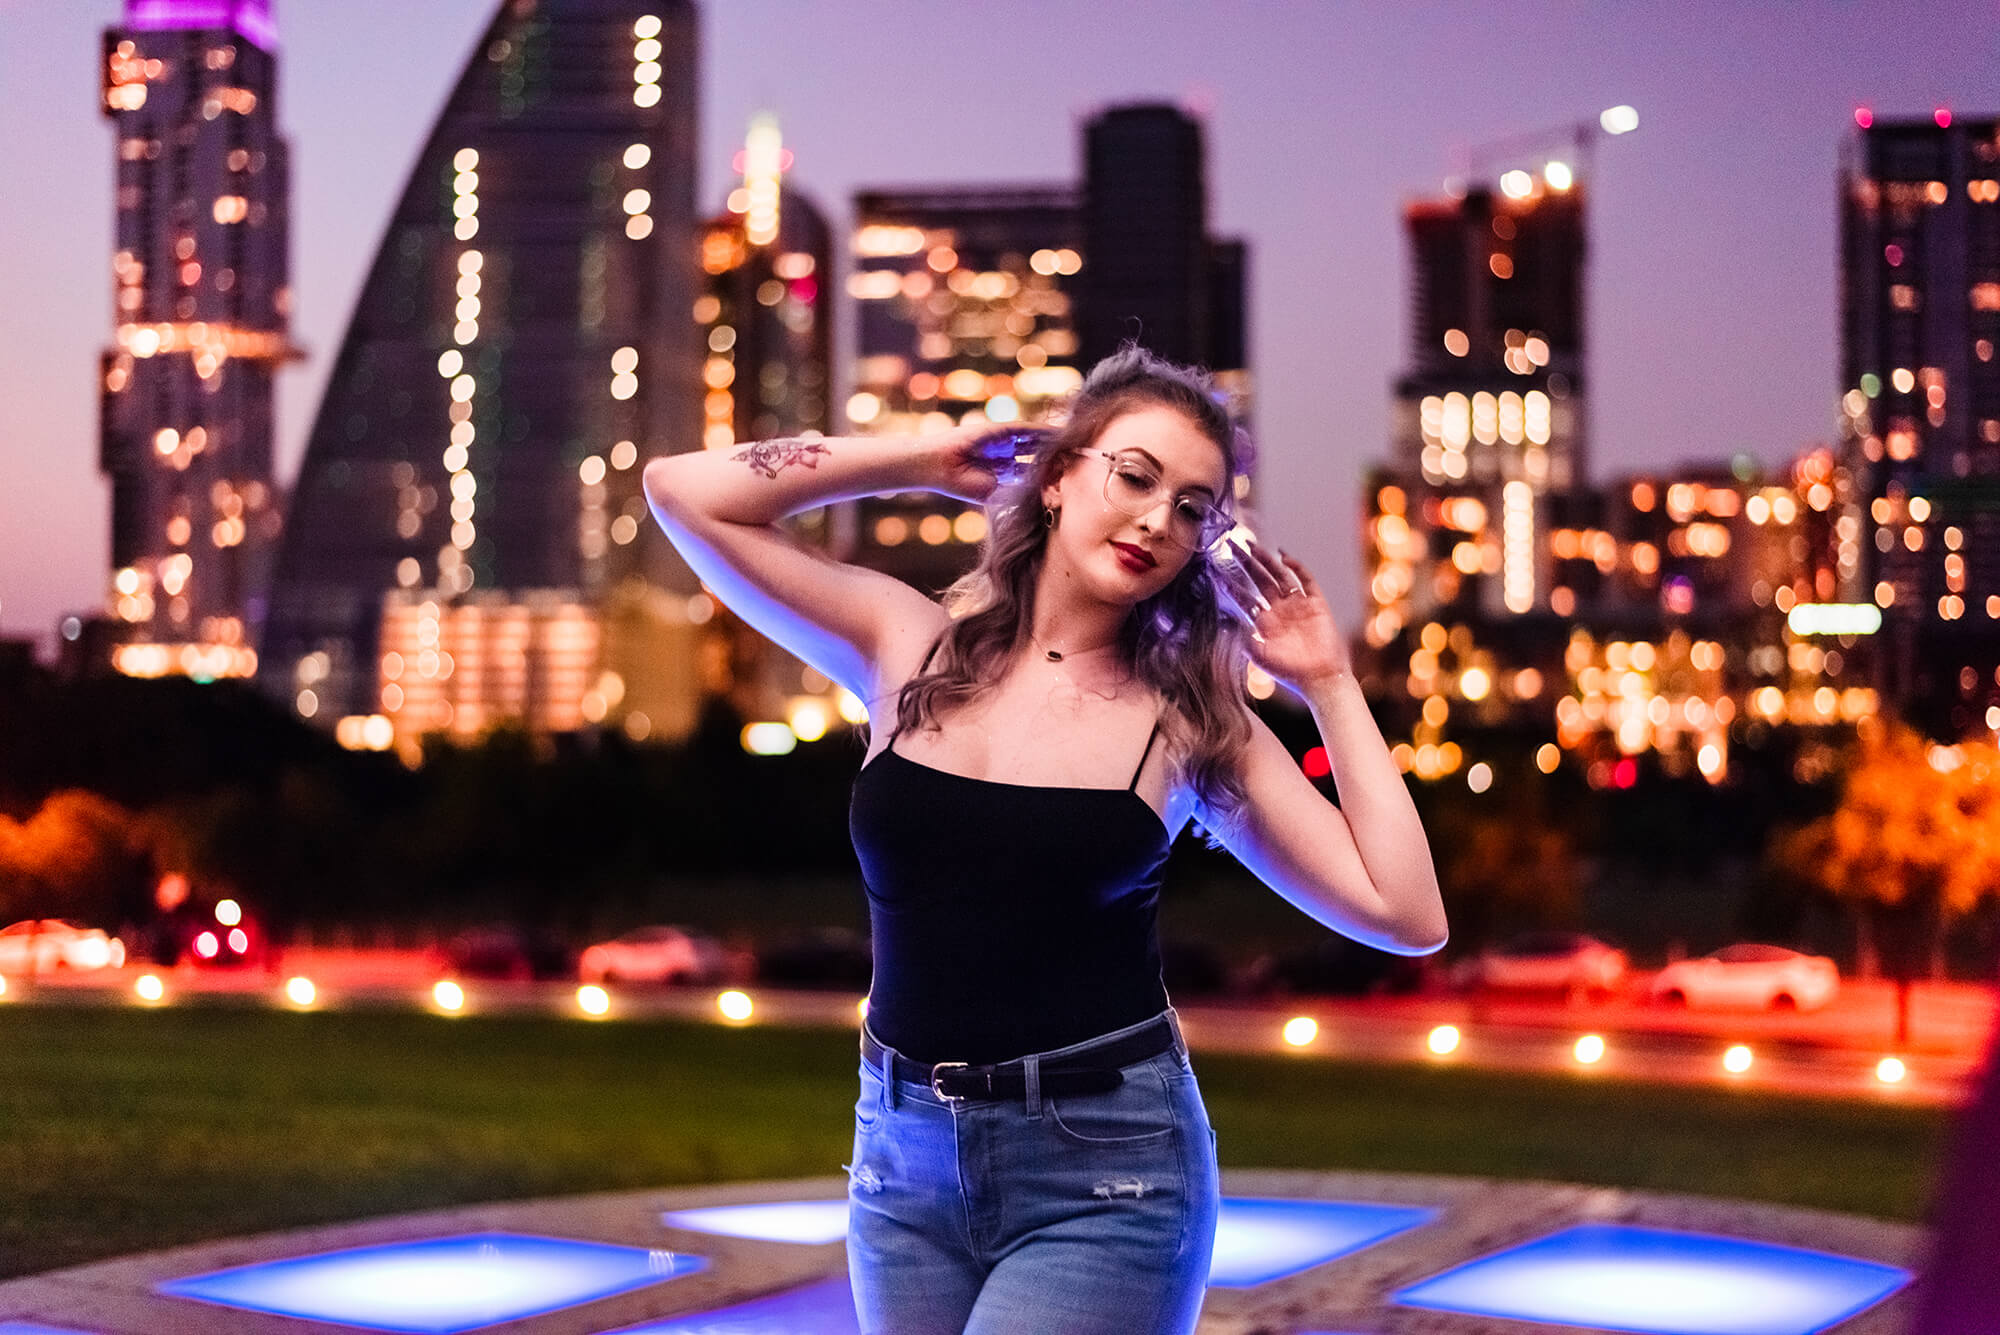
x: 125, y: 1130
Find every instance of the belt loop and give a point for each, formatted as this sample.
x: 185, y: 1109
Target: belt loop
x: 1180, y: 1043
x: 891, y: 1096
x: 1031, y: 1073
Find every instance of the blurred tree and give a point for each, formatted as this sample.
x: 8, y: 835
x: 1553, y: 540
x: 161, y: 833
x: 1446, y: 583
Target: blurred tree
x: 80, y: 855
x: 1504, y: 869
x: 1913, y: 845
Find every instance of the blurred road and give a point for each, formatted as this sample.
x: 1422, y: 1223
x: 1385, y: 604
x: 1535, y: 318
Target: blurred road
x: 1836, y: 1051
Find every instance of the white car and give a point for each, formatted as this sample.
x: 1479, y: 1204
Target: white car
x: 1566, y: 962
x: 40, y: 945
x: 1764, y: 977
x: 652, y: 955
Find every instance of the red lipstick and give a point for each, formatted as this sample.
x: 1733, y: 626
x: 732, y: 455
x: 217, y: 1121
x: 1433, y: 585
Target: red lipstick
x: 1136, y: 559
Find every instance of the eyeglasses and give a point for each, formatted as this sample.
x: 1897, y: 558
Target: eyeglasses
x: 1132, y: 487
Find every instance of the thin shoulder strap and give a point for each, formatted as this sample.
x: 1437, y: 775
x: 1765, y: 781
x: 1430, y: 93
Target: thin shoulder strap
x: 936, y: 644
x: 1150, y: 738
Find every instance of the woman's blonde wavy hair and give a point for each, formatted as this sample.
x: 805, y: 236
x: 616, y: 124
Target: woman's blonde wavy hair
x: 1182, y: 642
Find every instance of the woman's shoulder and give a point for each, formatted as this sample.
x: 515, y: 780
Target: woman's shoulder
x: 909, y: 647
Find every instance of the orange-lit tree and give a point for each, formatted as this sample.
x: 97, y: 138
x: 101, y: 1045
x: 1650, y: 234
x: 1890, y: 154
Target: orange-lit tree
x: 76, y: 856
x: 1913, y: 845
x: 1504, y: 870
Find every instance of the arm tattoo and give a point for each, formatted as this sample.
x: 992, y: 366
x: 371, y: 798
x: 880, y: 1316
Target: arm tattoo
x: 770, y: 457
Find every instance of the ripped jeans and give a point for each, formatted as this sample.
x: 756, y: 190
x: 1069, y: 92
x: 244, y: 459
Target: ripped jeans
x: 1080, y: 1214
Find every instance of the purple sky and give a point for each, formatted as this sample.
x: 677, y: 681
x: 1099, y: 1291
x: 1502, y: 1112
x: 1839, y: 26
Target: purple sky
x: 1712, y: 272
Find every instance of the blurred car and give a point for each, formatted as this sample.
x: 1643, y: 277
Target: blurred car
x: 221, y: 936
x: 654, y: 955
x: 1749, y: 975
x: 489, y: 952
x: 828, y: 957
x: 1566, y: 962
x: 39, y: 945
x: 223, y: 947
x: 507, y: 953
x: 1333, y: 965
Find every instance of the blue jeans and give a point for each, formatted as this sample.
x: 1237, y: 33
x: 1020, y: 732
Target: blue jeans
x: 1056, y: 1215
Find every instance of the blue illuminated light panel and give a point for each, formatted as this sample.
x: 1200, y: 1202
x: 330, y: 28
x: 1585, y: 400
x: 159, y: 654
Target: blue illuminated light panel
x: 438, y: 1286
x: 1258, y: 1240
x: 823, y: 1308
x: 1660, y: 1282
x: 774, y: 1221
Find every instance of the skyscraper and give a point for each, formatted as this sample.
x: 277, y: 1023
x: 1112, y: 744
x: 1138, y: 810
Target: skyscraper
x: 201, y: 313
x: 1920, y: 387
x: 989, y: 302
x: 1488, y: 421
x: 523, y: 339
x: 1156, y: 274
x: 765, y: 319
x: 965, y: 303
x: 764, y: 308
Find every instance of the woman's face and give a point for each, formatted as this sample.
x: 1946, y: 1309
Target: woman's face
x: 1123, y: 557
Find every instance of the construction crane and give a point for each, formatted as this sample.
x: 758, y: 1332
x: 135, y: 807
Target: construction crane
x: 1576, y: 138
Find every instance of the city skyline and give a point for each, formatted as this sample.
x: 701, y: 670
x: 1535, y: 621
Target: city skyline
x: 1713, y: 296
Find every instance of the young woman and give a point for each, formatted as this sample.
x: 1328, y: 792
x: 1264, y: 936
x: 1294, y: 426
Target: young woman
x: 1031, y: 1152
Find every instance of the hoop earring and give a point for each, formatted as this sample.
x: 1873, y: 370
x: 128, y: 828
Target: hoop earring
x: 1049, y: 513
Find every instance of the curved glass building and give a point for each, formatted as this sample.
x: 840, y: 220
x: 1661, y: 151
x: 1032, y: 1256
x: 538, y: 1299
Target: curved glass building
x: 524, y: 338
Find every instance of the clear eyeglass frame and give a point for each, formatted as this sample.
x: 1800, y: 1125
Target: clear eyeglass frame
x: 1193, y: 532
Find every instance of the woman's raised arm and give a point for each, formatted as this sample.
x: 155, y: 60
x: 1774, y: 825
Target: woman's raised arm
x: 1362, y: 868
x: 721, y: 510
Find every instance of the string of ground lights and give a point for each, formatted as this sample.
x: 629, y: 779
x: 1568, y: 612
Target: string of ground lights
x: 1929, y: 1078
x: 1452, y: 1254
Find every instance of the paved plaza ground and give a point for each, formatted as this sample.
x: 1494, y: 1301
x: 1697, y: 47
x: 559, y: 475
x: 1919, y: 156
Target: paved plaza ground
x: 1473, y: 1218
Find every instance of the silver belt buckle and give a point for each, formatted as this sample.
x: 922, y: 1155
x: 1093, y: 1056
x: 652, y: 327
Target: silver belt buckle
x: 938, y: 1070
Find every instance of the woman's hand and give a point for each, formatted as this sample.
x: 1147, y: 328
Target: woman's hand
x: 1296, y: 640
x: 954, y: 464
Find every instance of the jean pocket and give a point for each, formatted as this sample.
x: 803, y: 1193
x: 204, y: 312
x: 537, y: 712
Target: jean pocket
x: 868, y: 1107
x: 1136, y: 1115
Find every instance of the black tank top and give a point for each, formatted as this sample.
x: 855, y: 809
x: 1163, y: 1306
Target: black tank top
x: 1007, y: 918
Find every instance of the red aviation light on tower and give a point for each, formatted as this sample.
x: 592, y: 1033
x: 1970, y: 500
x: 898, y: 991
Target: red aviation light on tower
x: 1863, y: 117
x: 1943, y: 117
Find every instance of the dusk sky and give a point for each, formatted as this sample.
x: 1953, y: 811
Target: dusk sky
x: 1712, y: 276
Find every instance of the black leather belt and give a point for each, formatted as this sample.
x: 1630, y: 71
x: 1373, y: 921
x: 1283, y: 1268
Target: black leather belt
x: 1091, y: 1070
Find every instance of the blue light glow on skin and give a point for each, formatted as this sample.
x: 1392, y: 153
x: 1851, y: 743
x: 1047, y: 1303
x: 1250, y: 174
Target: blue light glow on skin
x: 28, y: 1328
x: 438, y: 1286
x: 1622, y: 1277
